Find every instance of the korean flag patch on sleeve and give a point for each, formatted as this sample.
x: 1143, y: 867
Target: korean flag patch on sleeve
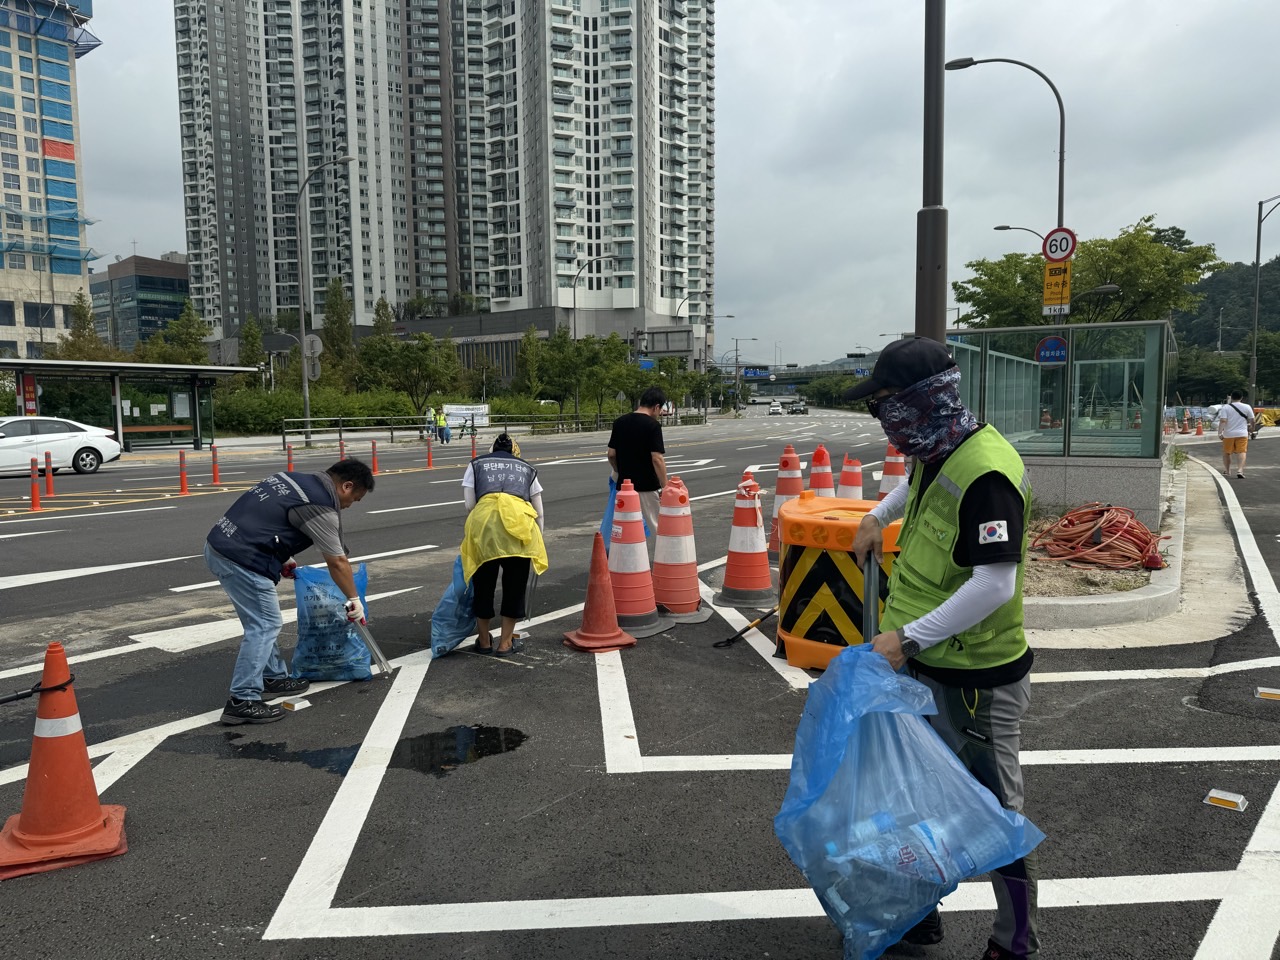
x: 993, y: 531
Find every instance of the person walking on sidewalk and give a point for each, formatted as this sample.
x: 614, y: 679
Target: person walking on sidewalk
x: 441, y: 423
x: 637, y: 453
x: 1235, y: 422
x: 503, y: 535
x: 954, y: 612
x: 252, y: 546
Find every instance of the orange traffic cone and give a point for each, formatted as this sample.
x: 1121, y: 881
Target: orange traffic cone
x: 599, y: 632
x: 820, y: 480
x: 895, y: 471
x: 850, y: 480
x: 1168, y: 427
x: 1046, y: 421
x: 1137, y: 419
x: 676, y: 586
x: 748, y: 581
x: 1199, y: 426
x: 1186, y: 423
x: 61, y: 823
x: 629, y: 567
x: 790, y: 486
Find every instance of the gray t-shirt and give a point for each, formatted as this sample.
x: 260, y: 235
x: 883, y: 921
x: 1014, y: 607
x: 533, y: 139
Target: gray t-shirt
x: 322, y: 523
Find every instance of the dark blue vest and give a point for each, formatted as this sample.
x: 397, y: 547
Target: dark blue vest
x: 503, y: 473
x: 256, y: 533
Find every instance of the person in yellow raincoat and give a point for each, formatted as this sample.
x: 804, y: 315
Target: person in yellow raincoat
x: 503, y: 535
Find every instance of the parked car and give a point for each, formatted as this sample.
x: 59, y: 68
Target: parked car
x: 798, y: 406
x: 76, y: 445
x: 775, y: 408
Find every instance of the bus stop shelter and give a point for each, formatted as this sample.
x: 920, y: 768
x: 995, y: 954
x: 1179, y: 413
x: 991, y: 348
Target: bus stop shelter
x: 145, y: 404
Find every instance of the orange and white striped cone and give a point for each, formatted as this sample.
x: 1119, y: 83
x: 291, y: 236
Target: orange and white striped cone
x: 599, y: 632
x: 894, y: 473
x: 850, y: 480
x: 1199, y: 426
x: 629, y: 568
x: 748, y: 581
x: 821, y: 482
x: 676, y: 586
x: 62, y: 823
x: 790, y: 485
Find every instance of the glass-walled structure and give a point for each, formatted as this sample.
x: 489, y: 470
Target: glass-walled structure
x: 1077, y: 390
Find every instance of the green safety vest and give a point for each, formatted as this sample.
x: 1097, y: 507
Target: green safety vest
x: 925, y: 573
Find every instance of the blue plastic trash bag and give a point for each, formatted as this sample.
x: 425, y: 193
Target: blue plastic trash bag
x: 606, y: 524
x: 454, y: 619
x: 880, y: 815
x: 329, y: 648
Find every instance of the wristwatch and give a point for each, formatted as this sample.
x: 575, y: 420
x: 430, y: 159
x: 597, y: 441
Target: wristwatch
x: 909, y: 647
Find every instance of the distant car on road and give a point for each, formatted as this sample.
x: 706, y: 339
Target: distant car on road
x: 775, y: 408
x: 76, y: 445
x: 798, y: 406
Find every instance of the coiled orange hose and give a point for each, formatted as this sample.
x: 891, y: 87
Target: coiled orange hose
x: 1100, y: 535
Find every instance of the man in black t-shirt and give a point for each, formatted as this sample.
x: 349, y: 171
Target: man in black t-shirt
x: 636, y: 453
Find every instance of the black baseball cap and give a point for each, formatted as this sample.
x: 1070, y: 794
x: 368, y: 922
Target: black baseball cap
x: 902, y: 364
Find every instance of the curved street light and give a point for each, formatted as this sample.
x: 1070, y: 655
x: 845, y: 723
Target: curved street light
x: 1257, y: 283
x: 964, y: 63
x: 608, y: 256
x: 301, y: 218
x: 1005, y: 226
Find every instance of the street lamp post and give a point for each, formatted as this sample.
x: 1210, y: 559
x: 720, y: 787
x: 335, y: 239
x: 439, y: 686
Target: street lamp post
x: 1257, y: 285
x: 1005, y: 226
x: 737, y: 370
x: 575, y: 288
x: 966, y: 62
x: 304, y: 295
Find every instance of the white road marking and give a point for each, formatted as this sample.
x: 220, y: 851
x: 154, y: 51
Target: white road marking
x: 1264, y: 584
x: 708, y: 496
x: 370, y: 556
x: 72, y: 661
x: 420, y: 506
x: 190, y: 475
x: 50, y: 576
x: 1164, y: 673
x: 62, y: 515
x: 796, y: 678
x: 621, y: 743
x: 33, y: 533
x: 758, y: 446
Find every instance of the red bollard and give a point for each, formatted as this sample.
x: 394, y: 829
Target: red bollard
x: 182, y: 473
x: 48, y: 475
x: 374, y: 444
x: 290, y: 449
x: 428, y: 453
x: 342, y: 449
x: 35, y: 484
x: 473, y: 444
x: 213, y: 449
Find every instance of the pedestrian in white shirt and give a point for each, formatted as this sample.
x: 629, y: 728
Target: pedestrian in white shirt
x: 1234, y: 419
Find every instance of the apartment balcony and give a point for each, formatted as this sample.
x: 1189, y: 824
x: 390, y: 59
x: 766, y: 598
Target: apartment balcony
x: 561, y: 41
x: 620, y: 41
x: 562, y: 96
x: 624, y: 212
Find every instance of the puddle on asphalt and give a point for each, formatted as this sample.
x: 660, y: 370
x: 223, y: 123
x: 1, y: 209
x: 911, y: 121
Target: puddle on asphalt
x: 333, y: 759
x: 444, y: 751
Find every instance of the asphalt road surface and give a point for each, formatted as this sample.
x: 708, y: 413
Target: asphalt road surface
x: 560, y: 804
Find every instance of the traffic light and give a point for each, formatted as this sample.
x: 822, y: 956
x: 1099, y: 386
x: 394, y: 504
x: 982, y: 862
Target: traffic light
x: 856, y: 356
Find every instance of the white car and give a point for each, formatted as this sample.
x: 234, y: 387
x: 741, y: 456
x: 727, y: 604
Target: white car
x: 71, y: 444
x: 775, y: 408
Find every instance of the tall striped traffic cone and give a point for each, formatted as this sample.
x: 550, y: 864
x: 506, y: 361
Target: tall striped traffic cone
x: 821, y: 481
x: 748, y: 581
x: 676, y: 586
x: 790, y: 485
x: 850, y: 480
x: 895, y: 471
x: 62, y: 823
x: 629, y: 568
x: 599, y: 632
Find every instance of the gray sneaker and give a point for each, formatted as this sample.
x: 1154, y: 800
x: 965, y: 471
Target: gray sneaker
x: 250, y: 711
x: 283, y: 687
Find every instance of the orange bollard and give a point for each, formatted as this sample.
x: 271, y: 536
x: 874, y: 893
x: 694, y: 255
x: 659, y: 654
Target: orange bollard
x: 820, y: 480
x: 35, y: 484
x: 289, y: 465
x: 213, y: 450
x: 1199, y: 426
x: 894, y: 473
x: 428, y: 452
x: 790, y: 485
x: 342, y: 449
x: 629, y: 567
x: 473, y: 445
x: 62, y: 823
x: 599, y: 632
x: 182, y: 473
x: 850, y: 480
x: 676, y: 586
x: 374, y: 465
x: 748, y: 582
x: 48, y: 475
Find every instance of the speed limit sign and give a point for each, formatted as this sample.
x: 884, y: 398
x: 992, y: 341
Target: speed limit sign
x: 1059, y: 244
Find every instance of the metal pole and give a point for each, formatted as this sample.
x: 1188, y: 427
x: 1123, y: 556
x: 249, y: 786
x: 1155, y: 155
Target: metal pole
x: 575, y: 289
x: 1257, y: 284
x: 931, y: 221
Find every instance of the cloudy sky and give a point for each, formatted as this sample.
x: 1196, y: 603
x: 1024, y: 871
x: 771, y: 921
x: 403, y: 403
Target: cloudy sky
x: 819, y: 111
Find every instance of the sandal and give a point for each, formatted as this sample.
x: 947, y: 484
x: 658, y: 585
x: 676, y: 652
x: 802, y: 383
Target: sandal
x: 483, y: 651
x: 516, y: 647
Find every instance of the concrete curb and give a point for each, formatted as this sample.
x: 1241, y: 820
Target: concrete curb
x: 1159, y: 598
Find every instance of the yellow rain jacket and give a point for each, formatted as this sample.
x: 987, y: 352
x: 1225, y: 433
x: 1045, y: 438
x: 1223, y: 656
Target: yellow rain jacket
x: 502, y: 525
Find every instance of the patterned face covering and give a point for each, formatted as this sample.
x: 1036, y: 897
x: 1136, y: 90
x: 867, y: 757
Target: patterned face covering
x: 927, y: 420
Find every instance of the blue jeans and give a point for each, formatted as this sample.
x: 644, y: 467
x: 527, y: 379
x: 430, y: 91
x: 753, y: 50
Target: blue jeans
x: 254, y: 597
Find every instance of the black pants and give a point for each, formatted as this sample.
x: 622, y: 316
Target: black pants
x: 515, y: 577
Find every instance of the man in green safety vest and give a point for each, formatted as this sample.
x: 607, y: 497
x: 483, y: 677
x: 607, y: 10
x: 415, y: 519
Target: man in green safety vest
x: 954, y: 613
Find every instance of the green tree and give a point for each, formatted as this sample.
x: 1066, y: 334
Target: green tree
x: 424, y: 366
x: 483, y: 379
x: 182, y: 341
x: 605, y: 362
x: 251, y: 353
x: 1201, y: 376
x: 81, y: 341
x: 464, y: 304
x: 339, y: 351
x: 531, y: 365
x: 383, y: 319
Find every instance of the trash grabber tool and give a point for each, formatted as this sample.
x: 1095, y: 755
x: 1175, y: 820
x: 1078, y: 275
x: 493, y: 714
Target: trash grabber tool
x: 374, y: 649
x: 730, y: 641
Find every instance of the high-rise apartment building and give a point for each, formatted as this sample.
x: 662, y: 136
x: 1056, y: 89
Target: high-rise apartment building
x: 504, y: 150
x: 44, y: 254
x: 137, y: 298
